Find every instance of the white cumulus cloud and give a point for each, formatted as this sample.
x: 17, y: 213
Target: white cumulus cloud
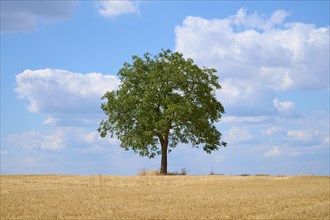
x: 64, y: 96
x: 281, y: 56
x: 256, y: 56
x: 117, y: 7
x: 257, y: 21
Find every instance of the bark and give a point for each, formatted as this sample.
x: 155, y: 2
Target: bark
x: 163, y: 165
x: 164, y: 144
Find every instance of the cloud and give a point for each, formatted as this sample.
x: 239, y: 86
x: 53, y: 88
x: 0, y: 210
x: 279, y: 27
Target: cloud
x: 281, y: 56
x: 239, y: 135
x: 116, y: 8
x: 305, y: 137
x: 81, y: 150
x: 286, y: 107
x: 245, y: 98
x: 243, y: 119
x: 66, y: 97
x: 274, y: 152
x: 308, y: 133
x: 275, y: 130
x: 256, y: 57
x: 61, y: 138
x: 34, y: 139
x: 24, y: 16
x: 257, y: 21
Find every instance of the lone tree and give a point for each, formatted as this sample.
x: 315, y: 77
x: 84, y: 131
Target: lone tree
x: 163, y: 99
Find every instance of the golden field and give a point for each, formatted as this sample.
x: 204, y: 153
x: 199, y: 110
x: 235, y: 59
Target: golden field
x: 164, y: 197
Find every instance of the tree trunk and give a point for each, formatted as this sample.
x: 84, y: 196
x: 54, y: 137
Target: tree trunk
x: 163, y: 165
x: 164, y: 144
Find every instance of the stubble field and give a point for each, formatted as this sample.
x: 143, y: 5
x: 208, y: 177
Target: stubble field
x: 164, y: 197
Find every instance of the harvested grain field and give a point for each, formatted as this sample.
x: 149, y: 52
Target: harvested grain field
x: 164, y: 197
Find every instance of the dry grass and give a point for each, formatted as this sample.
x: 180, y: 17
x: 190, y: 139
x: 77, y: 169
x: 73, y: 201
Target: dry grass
x: 145, y: 172
x: 164, y: 197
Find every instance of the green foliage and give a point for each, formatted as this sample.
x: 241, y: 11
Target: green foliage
x: 165, y: 98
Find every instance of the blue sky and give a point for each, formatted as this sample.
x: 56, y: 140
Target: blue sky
x: 59, y: 57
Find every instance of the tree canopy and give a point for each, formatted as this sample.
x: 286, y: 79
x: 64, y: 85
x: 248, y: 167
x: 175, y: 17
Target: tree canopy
x: 163, y: 100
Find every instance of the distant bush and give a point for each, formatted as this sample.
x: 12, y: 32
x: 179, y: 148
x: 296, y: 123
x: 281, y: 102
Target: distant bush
x: 281, y: 175
x: 144, y: 172
x: 215, y: 174
x: 263, y: 175
x: 245, y: 174
x: 182, y: 173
